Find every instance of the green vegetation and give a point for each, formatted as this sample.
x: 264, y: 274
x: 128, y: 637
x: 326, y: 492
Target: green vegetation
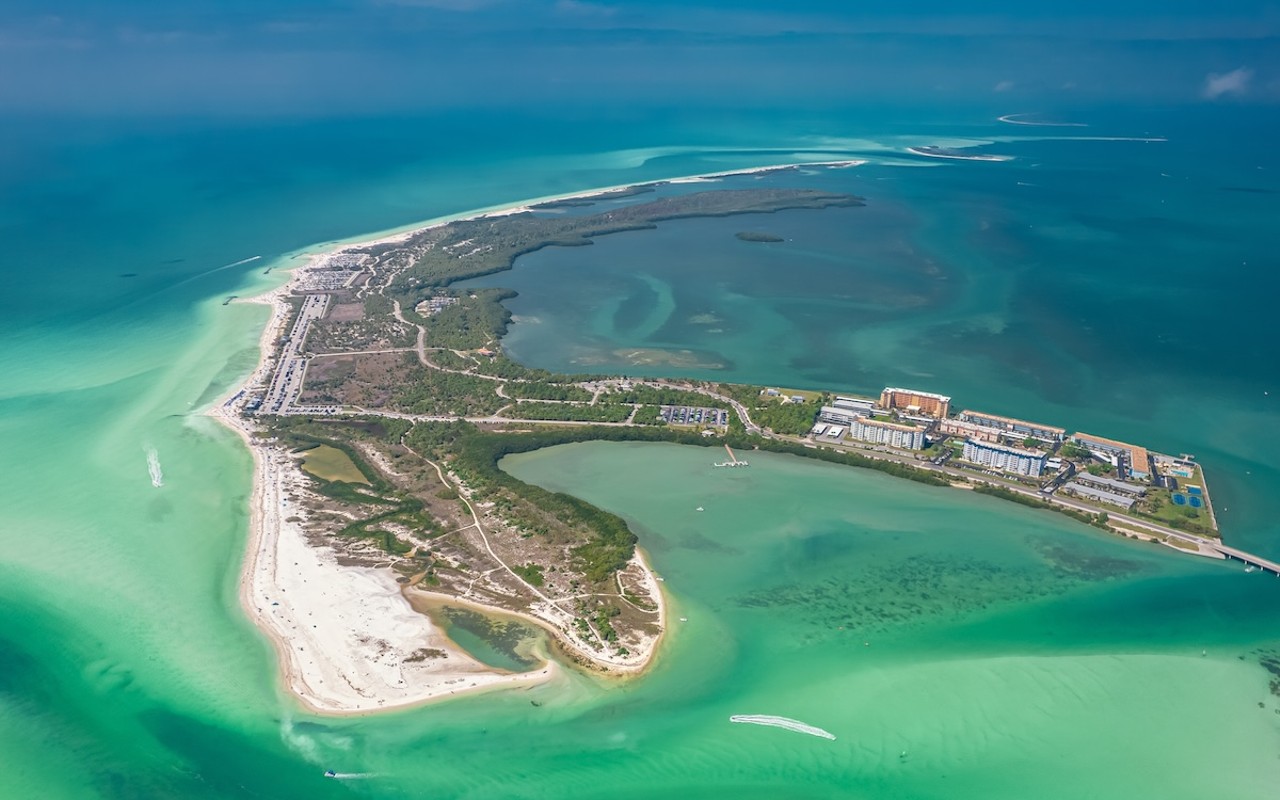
x: 1098, y: 520
x: 452, y: 253
x: 758, y: 236
x: 331, y: 464
x: 530, y: 574
x: 382, y: 503
x: 476, y: 320
x: 744, y: 393
x: 569, y: 413
x: 1158, y: 506
x: 777, y: 412
x: 543, y: 390
x: 662, y: 397
x: 433, y: 392
x: 1074, y: 451
x: 794, y: 419
x: 649, y: 415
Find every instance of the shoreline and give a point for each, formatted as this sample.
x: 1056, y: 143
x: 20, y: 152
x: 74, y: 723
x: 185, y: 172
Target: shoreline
x: 302, y: 672
x: 368, y: 689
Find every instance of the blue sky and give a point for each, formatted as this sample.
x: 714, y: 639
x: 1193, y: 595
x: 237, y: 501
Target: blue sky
x: 365, y: 56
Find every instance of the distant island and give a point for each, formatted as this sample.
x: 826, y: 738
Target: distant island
x: 756, y: 236
x: 383, y: 405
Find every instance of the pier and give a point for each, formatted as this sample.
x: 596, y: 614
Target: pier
x: 733, y: 461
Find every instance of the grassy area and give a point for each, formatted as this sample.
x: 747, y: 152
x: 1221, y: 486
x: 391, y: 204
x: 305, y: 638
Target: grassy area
x: 1158, y: 506
x: 808, y: 395
x: 331, y: 464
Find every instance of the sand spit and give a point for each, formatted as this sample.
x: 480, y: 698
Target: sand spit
x: 347, y: 640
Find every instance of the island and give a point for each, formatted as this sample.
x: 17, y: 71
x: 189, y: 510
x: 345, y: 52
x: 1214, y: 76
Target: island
x: 384, y: 404
x: 758, y: 236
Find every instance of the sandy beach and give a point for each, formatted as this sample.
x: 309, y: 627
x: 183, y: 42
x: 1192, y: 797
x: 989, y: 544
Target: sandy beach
x: 346, y: 639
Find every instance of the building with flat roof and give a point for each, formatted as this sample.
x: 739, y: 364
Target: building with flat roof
x: 1127, y: 457
x: 1101, y: 495
x: 928, y: 403
x: 907, y: 437
x: 1014, y: 427
x: 1005, y: 458
x: 1111, y: 484
x: 863, y: 406
x: 837, y: 416
x: 968, y: 430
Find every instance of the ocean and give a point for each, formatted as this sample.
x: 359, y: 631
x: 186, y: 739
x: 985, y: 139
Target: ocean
x: 955, y: 645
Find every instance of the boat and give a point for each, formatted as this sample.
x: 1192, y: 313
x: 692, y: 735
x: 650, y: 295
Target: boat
x: 699, y: 508
x: 328, y: 773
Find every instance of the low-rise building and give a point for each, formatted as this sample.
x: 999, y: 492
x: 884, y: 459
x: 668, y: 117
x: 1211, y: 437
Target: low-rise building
x: 968, y: 430
x: 1127, y: 458
x: 836, y: 416
x: 1005, y: 458
x: 907, y: 437
x: 1101, y: 495
x: 859, y: 405
x: 1018, y: 428
x: 1111, y: 484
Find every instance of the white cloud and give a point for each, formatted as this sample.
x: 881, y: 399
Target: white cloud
x: 1234, y: 82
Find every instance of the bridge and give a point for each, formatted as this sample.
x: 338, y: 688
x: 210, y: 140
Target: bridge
x: 1248, y: 558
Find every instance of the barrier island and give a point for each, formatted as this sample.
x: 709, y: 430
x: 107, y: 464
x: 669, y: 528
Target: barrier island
x: 384, y: 404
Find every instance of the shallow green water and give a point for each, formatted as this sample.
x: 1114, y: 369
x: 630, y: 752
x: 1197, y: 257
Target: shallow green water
x: 1002, y: 649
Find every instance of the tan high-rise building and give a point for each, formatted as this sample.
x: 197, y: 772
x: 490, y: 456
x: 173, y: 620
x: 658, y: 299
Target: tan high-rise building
x: 912, y: 401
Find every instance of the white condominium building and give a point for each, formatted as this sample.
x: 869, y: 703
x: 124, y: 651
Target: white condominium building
x: 907, y: 437
x: 1008, y: 459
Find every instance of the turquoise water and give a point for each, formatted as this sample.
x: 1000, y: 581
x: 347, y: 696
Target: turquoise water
x: 128, y: 670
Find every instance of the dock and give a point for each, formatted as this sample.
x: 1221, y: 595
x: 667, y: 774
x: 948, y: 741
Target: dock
x: 733, y: 461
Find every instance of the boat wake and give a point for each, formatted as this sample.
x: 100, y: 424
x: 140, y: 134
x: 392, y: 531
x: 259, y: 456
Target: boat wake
x: 785, y: 723
x: 1017, y: 119
x: 153, y: 467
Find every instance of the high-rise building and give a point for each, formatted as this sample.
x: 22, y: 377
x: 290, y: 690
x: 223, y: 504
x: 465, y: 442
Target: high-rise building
x: 907, y: 437
x: 910, y: 400
x: 1002, y: 457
